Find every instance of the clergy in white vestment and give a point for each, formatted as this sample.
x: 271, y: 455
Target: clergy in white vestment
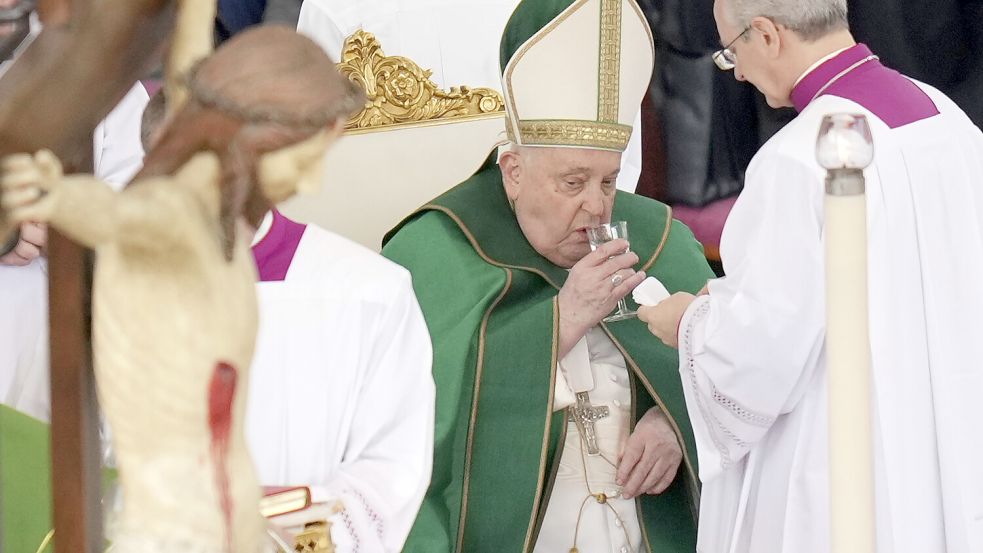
x: 118, y: 155
x: 751, y: 347
x: 458, y: 40
x: 341, y: 396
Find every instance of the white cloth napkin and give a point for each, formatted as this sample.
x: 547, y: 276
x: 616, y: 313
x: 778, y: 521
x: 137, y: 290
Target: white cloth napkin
x: 650, y: 292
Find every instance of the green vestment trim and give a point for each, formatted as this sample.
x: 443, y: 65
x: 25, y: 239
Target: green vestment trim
x: 489, y: 300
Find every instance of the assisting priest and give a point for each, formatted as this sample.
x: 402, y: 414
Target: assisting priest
x: 751, y: 351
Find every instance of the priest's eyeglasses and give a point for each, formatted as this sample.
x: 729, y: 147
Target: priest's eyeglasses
x: 726, y: 59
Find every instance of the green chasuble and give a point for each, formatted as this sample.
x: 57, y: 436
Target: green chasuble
x: 490, y: 303
x: 25, y: 482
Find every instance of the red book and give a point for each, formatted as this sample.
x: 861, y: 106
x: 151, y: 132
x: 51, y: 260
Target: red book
x: 280, y: 500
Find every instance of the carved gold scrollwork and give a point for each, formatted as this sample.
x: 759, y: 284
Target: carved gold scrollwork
x: 400, y: 92
x: 316, y: 538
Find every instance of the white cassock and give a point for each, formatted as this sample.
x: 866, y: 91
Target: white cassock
x: 596, y: 366
x: 459, y: 40
x: 752, y: 356
x: 24, y: 354
x: 341, y: 392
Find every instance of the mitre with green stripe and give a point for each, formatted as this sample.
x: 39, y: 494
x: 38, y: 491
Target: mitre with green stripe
x: 574, y: 72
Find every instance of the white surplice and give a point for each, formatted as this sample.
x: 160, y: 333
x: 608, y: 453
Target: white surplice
x: 459, y: 40
x: 117, y: 156
x: 596, y: 366
x: 752, y: 356
x: 341, y: 392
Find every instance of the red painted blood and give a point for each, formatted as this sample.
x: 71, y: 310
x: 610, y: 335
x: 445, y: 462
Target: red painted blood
x: 221, y: 393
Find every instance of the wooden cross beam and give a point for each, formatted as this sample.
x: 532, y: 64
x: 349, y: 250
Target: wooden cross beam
x: 75, y: 445
x: 83, y: 62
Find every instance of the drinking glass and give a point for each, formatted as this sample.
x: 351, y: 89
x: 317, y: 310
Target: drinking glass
x: 606, y: 233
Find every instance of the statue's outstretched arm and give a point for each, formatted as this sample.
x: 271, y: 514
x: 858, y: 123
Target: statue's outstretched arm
x: 86, y: 209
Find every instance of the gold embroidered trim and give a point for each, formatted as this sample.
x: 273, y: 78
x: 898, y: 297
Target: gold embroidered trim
x: 399, y: 91
x: 638, y: 500
x: 550, y: 480
x: 609, y: 62
x: 587, y: 134
x: 479, y: 369
x: 477, y: 247
x: 46, y: 541
x: 554, y: 359
x: 693, y: 480
x: 662, y: 242
x: 533, y: 527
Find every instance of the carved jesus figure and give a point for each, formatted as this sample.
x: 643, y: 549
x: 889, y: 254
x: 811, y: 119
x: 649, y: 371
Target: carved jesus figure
x: 174, y: 304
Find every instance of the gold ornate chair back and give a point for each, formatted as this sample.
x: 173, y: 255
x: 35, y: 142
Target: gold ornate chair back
x: 411, y: 142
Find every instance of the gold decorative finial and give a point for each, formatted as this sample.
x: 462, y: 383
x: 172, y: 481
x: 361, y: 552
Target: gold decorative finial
x: 400, y: 92
x: 316, y: 538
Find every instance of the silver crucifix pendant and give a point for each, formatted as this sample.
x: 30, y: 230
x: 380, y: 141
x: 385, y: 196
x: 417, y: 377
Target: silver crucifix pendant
x: 584, y: 415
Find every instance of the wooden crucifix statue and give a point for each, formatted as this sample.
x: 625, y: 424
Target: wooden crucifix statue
x: 67, y: 80
x: 174, y: 307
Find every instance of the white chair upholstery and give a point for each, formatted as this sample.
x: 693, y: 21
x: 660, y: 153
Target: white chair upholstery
x: 411, y: 143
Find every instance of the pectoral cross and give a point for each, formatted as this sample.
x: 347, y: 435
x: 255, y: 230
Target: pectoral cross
x: 584, y: 415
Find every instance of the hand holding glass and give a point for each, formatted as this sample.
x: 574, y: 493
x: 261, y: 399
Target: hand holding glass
x: 605, y: 233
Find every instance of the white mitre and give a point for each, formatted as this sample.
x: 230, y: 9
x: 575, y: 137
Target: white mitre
x: 576, y: 72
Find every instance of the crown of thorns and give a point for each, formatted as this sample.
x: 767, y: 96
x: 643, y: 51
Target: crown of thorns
x: 213, y: 99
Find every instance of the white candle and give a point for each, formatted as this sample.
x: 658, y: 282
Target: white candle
x: 844, y: 148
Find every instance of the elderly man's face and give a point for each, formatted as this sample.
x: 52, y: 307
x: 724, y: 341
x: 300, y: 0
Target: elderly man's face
x: 558, y: 193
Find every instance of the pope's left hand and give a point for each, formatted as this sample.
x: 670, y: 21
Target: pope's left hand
x: 651, y: 456
x: 663, y: 318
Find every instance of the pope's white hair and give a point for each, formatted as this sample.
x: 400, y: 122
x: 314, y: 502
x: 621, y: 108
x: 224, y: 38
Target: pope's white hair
x: 519, y: 149
x: 810, y: 19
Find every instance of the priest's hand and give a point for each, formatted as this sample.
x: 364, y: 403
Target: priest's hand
x: 651, y: 456
x: 593, y: 288
x: 663, y: 318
